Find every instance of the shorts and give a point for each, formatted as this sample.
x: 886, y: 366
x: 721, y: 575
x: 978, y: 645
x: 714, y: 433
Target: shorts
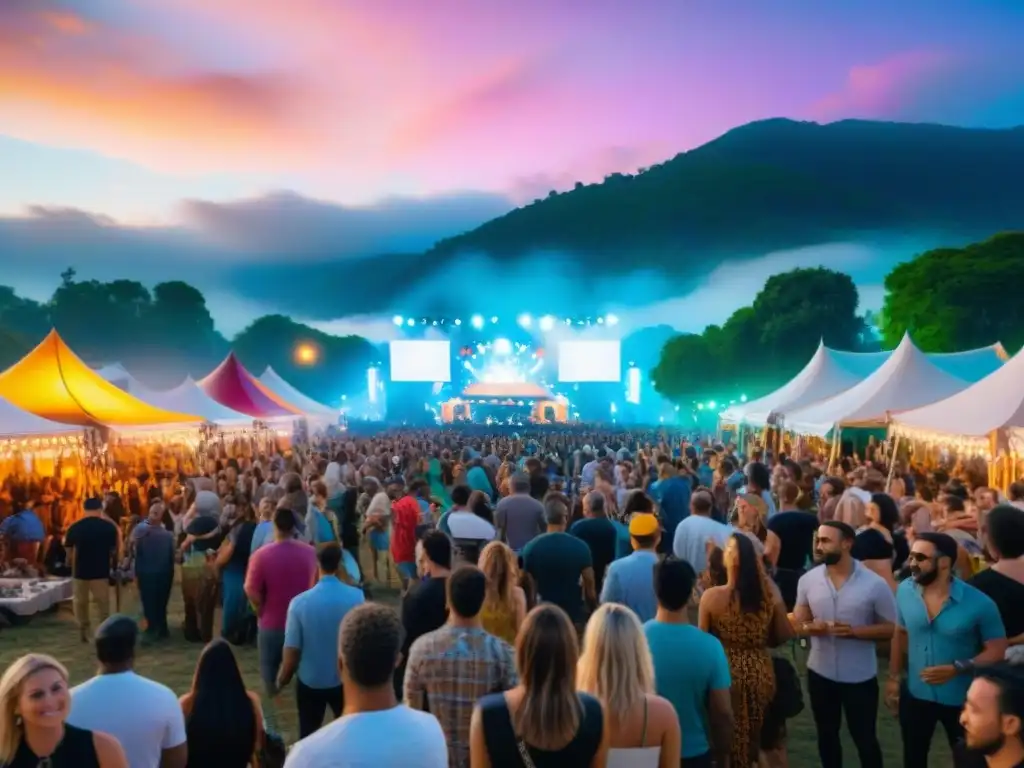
x: 380, y: 541
x: 271, y: 648
x: 406, y: 570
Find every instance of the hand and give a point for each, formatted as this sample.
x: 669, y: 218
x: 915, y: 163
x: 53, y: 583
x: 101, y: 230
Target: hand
x: 840, y: 629
x: 938, y: 675
x: 814, y: 628
x: 892, y: 695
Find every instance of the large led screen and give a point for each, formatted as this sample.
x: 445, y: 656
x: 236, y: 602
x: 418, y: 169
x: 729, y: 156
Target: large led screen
x: 420, y: 361
x: 589, y: 361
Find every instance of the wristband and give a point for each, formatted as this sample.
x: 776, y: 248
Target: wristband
x: 964, y: 667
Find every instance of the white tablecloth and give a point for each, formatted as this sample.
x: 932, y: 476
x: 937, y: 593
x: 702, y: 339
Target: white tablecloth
x: 37, y: 594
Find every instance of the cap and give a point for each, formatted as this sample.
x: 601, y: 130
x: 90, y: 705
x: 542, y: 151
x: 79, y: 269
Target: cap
x: 93, y: 504
x: 644, y: 524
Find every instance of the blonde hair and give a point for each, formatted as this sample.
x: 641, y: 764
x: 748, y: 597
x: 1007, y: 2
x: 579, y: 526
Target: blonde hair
x: 616, y: 664
x: 498, y: 562
x: 550, y: 712
x: 11, y: 684
x: 852, y: 511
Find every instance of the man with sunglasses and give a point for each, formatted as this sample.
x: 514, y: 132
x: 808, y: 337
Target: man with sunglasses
x: 947, y: 628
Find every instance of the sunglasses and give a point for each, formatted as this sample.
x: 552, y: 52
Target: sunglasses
x: 919, y: 557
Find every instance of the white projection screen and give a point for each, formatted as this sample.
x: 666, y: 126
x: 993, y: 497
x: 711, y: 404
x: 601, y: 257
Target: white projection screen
x: 589, y: 361
x: 420, y: 361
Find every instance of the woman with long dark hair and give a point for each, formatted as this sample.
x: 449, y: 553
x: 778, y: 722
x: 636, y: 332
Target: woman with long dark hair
x: 748, y: 616
x: 223, y: 721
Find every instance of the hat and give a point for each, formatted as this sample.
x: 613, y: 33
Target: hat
x: 756, y: 502
x: 93, y: 504
x: 644, y: 524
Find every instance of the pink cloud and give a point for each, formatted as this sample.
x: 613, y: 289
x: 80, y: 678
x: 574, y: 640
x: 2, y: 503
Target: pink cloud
x: 884, y: 90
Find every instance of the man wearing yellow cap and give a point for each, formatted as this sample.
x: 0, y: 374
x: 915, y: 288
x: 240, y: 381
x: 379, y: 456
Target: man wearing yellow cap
x: 630, y: 581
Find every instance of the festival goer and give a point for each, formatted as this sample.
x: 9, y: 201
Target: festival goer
x: 143, y: 715
x: 405, y: 516
x: 92, y: 543
x: 153, y: 546
x: 34, y: 703
x: 630, y: 581
x: 223, y: 720
x: 693, y: 533
x: 311, y: 642
x: 795, y: 530
x: 945, y: 629
x: 425, y: 605
x: 451, y: 668
x: 232, y: 563
x: 543, y: 721
x: 561, y: 565
x: 672, y: 492
x: 374, y: 729
x: 23, y: 529
x: 748, y: 616
x: 1004, y: 580
x: 505, y: 603
x: 845, y: 609
x: 616, y: 668
x: 598, y: 533
x: 690, y: 669
x: 993, y: 716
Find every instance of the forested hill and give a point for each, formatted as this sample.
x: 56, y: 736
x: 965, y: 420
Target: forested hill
x: 774, y: 184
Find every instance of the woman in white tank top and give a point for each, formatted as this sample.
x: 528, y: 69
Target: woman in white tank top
x: 616, y: 668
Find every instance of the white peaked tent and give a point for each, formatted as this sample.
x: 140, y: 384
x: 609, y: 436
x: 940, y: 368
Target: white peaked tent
x: 15, y: 422
x: 908, y: 379
x: 826, y: 374
x: 273, y: 381
x: 188, y: 397
x: 118, y: 375
x: 970, y: 416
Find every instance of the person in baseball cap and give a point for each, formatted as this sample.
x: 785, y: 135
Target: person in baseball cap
x: 630, y: 580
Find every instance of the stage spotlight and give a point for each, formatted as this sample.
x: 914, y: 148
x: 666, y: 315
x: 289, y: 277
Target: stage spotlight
x: 398, y: 320
x: 502, y: 347
x: 410, y: 322
x: 477, y: 322
x: 525, y: 321
x: 612, y: 320
x: 743, y: 398
x: 458, y: 321
x: 568, y: 321
x: 494, y: 320
x: 547, y: 323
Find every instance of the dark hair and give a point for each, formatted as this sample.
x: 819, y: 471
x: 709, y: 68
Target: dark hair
x: 460, y: 495
x: 944, y: 544
x: 1005, y: 526
x: 673, y: 583
x: 284, y: 520
x: 1010, y: 681
x: 369, y: 642
x: 758, y: 474
x: 482, y: 508
x: 888, y: 512
x: 727, y: 465
x: 539, y: 485
x: 556, y: 512
x: 115, y: 640
x: 438, y: 548
x: 749, y: 586
x: 836, y: 484
x: 637, y: 501
x: 702, y: 502
x: 845, y: 529
x: 466, y: 590
x: 221, y: 725
x: 329, y: 557
x: 292, y: 482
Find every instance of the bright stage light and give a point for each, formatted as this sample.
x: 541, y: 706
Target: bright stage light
x: 711, y: 404
x: 477, y: 322
x: 547, y: 323
x: 306, y: 354
x: 457, y: 321
x: 398, y: 319
x: 494, y: 320
x: 612, y: 320
x: 502, y: 347
x: 743, y: 398
x: 525, y: 320
x: 372, y: 384
x: 410, y: 322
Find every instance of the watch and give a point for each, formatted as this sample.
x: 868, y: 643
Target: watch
x: 964, y: 667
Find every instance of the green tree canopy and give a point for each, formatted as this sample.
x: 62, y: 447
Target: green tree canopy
x: 952, y: 299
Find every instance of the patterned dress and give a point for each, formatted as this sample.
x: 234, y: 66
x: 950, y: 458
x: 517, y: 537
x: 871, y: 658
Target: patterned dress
x: 745, y: 639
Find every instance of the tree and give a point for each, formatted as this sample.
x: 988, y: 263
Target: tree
x: 687, y: 369
x: 952, y: 299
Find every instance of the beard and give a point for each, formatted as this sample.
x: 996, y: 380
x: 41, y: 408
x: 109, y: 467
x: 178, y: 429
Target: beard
x: 987, y: 748
x: 830, y: 558
x: 924, y: 578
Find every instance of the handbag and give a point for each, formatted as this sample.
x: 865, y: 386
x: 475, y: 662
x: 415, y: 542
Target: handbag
x: 524, y: 754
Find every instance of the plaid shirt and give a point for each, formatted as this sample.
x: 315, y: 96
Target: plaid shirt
x: 449, y: 670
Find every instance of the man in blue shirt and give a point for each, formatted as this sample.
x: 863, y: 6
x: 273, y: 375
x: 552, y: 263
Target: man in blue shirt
x: 23, y: 530
x: 630, y: 581
x: 311, y: 640
x: 947, y: 628
x: 690, y: 669
x: 674, y: 504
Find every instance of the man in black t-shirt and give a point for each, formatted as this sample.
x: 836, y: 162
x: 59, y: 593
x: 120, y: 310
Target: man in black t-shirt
x: 425, y: 605
x: 92, y: 544
x: 597, y: 532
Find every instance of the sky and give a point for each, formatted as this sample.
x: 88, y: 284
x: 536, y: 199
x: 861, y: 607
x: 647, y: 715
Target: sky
x: 183, y: 138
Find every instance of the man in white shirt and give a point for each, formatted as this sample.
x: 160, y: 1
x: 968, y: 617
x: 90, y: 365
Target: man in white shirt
x: 142, y: 714
x: 376, y: 730
x: 692, y: 534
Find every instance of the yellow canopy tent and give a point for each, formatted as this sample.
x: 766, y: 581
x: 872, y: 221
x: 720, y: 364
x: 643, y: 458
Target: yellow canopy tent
x: 51, y: 381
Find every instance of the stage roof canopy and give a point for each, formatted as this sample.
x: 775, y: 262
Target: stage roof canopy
x: 231, y: 385
x: 51, y: 381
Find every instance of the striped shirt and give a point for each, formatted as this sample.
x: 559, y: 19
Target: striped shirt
x: 449, y: 670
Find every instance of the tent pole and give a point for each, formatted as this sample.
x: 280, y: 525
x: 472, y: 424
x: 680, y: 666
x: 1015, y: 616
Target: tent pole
x: 892, y: 462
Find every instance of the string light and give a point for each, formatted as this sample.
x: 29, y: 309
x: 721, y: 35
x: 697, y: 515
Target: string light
x: 969, y: 445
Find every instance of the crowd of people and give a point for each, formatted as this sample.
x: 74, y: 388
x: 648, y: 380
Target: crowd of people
x: 571, y: 597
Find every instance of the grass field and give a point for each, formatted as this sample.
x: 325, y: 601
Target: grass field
x: 173, y: 663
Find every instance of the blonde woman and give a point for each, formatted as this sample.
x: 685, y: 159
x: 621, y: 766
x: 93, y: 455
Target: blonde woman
x: 505, y: 604
x: 543, y: 722
x: 616, y: 668
x: 34, y: 703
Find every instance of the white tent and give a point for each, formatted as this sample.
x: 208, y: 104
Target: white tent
x: 188, y: 397
x: 970, y: 416
x: 273, y: 381
x: 15, y: 422
x: 828, y: 373
x: 119, y: 376
x: 908, y: 379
